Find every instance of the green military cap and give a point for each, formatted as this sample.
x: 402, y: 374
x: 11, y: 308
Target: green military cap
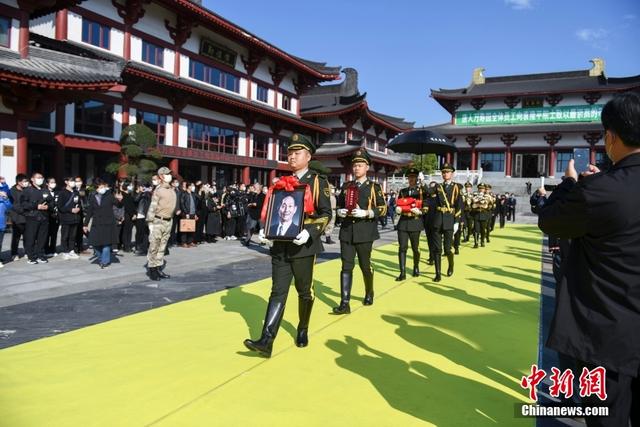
x: 164, y: 171
x: 488, y: 186
x: 361, y: 155
x: 481, y: 186
x: 300, y: 142
x: 413, y: 171
x: 468, y: 184
x: 447, y: 167
x: 317, y: 166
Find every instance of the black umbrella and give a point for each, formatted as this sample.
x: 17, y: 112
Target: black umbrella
x: 422, y: 141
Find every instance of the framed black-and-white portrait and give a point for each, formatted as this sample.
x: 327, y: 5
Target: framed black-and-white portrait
x: 285, y: 214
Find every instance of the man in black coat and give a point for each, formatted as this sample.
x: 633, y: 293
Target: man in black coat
x: 598, y: 304
x: 36, y: 202
x: 256, y: 200
x: 17, y: 213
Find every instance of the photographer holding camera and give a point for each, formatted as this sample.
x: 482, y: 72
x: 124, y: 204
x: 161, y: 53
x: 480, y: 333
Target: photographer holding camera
x: 598, y: 299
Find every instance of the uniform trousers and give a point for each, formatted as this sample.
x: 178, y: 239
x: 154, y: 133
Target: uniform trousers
x: 160, y: 231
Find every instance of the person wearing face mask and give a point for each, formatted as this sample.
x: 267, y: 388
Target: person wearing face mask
x: 69, y: 214
x: 37, y: 203
x: 81, y: 191
x: 142, y: 201
x: 597, y: 310
x: 100, y: 213
x: 201, y: 213
x: 189, y: 206
x: 214, y: 220
x: 163, y: 208
x: 16, y: 213
x: 176, y: 236
x: 126, y: 231
x: 5, y: 205
x: 54, y: 221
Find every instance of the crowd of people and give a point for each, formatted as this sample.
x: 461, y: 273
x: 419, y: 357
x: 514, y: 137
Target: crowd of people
x: 111, y: 218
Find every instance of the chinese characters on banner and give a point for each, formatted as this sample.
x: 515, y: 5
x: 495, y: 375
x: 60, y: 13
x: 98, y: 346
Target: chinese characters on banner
x: 577, y: 113
x: 592, y: 382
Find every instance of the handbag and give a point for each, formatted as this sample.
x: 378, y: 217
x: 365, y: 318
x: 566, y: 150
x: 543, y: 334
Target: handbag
x: 187, y: 225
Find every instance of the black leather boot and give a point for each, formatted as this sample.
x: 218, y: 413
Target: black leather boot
x: 457, y: 250
x: 438, y: 263
x: 162, y: 274
x: 264, y: 345
x: 402, y: 261
x: 475, y: 240
x: 304, y: 313
x: 152, y: 272
x: 416, y: 264
x: 346, y: 280
x: 368, y: 288
x: 450, y: 260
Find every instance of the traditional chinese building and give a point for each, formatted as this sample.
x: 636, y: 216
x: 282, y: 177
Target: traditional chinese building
x: 342, y: 108
x: 222, y: 101
x: 527, y: 125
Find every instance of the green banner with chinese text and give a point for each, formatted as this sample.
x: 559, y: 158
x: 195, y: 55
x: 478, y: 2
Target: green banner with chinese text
x: 566, y: 114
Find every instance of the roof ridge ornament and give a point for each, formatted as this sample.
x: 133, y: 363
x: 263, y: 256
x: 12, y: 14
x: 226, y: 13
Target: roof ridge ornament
x: 598, y: 67
x: 478, y: 76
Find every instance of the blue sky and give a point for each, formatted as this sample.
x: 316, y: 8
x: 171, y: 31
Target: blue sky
x: 404, y: 48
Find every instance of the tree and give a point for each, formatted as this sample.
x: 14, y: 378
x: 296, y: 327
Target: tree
x: 138, y: 149
x: 426, y: 163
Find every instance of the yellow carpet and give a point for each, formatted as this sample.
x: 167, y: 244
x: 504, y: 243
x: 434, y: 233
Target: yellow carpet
x: 448, y: 354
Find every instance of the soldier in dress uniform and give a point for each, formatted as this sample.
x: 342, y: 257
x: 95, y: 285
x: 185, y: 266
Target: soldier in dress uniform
x: 446, y: 221
x: 427, y: 218
x: 467, y: 198
x: 410, y: 224
x: 359, y: 229
x: 482, y: 215
x: 296, y: 259
x: 492, y: 209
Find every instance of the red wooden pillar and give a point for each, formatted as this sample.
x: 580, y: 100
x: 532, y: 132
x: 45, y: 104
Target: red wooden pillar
x: 126, y: 105
x: 174, y: 165
x: 127, y: 42
x: 23, y: 35
x: 473, y: 141
x: 449, y: 158
x: 246, y: 175
x: 508, y: 139
x: 21, y: 131
x: 552, y: 139
x: 552, y: 161
x: 60, y: 138
x: 272, y: 175
x: 61, y: 24
x: 508, y: 161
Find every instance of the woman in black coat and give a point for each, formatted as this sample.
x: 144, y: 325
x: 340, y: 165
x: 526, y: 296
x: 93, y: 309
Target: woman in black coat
x: 100, y: 214
x: 214, y: 220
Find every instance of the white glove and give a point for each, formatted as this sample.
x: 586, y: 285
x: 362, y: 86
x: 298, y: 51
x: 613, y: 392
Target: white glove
x: 416, y: 211
x: 263, y: 240
x: 150, y: 225
x: 456, y: 226
x: 302, y: 238
x: 398, y: 210
x: 342, y: 213
x: 361, y: 213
